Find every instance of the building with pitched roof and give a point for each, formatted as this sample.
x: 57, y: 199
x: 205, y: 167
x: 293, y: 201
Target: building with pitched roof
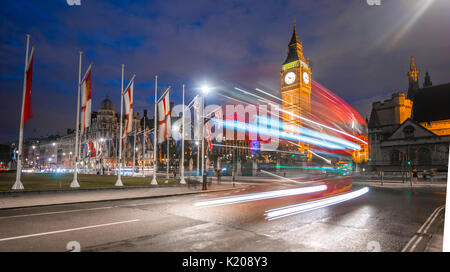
x: 411, y: 131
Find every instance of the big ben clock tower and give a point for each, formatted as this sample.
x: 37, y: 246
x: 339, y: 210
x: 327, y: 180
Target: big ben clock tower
x: 295, y: 83
x: 296, y: 88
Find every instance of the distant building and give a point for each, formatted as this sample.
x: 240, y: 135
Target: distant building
x: 412, y: 131
x: 99, y: 145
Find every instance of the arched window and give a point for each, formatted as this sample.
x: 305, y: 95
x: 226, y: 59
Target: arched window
x: 395, y: 157
x: 408, y: 131
x: 424, y: 155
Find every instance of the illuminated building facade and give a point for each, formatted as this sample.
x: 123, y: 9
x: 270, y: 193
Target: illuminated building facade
x: 99, y: 145
x: 412, y: 131
x: 295, y: 82
x: 296, y: 87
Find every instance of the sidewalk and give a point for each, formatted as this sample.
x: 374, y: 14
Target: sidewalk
x: 395, y: 184
x: 32, y: 199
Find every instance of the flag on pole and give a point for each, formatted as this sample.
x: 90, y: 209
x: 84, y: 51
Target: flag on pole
x: 86, y: 99
x: 196, y: 106
x: 208, y: 136
x: 92, y: 150
x: 164, y: 128
x: 27, y: 110
x: 129, y: 109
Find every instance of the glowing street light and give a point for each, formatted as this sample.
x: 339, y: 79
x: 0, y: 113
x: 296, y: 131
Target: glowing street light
x: 205, y: 89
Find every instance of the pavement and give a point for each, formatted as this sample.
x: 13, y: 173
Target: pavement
x: 45, y: 198
x: 396, y: 184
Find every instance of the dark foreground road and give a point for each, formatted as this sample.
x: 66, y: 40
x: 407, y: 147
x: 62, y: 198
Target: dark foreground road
x: 383, y: 220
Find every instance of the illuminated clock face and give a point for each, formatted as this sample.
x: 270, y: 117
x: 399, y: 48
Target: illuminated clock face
x: 289, y: 78
x: 305, y: 77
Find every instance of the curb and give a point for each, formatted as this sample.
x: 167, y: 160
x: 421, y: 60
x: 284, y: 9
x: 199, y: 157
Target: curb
x: 119, y: 199
x: 403, y: 188
x: 85, y: 189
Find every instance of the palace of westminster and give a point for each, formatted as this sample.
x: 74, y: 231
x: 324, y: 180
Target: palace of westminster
x: 411, y: 129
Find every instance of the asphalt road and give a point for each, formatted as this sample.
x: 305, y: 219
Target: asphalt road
x: 382, y: 219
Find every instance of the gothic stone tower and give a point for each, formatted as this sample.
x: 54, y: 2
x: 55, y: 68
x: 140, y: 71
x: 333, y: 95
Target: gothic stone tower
x: 413, y: 79
x: 296, y: 86
x: 295, y: 82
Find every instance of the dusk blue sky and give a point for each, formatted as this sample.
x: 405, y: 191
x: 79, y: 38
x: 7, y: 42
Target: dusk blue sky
x: 360, y: 52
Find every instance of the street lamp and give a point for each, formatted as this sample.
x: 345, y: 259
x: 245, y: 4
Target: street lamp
x: 205, y: 90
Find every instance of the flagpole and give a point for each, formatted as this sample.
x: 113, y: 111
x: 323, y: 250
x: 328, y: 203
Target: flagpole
x: 167, y: 160
x: 203, y: 141
x: 143, y: 149
x: 198, y: 149
x: 18, y: 184
x: 182, y: 181
x: 74, y: 183
x: 119, y: 180
x: 155, y: 133
x: 134, y: 147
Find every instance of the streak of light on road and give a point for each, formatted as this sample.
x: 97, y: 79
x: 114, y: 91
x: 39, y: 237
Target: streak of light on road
x: 260, y: 196
x: 299, y: 208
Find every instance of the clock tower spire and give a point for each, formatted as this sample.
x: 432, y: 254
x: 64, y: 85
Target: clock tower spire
x: 295, y: 82
x: 296, y: 87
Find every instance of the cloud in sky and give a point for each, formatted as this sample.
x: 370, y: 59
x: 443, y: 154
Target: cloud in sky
x: 358, y: 51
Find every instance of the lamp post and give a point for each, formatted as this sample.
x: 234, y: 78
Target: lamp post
x: 205, y: 91
x: 182, y: 180
x: 198, y: 158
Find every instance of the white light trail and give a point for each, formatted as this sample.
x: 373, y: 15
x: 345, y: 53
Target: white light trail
x: 260, y: 196
x: 325, y: 159
x: 322, y: 125
x: 299, y: 208
x: 308, y: 120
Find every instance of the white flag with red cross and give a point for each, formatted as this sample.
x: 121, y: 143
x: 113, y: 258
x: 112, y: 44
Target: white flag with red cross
x: 164, y: 125
x: 208, y: 136
x: 86, y: 102
x: 196, y: 106
x: 129, y: 109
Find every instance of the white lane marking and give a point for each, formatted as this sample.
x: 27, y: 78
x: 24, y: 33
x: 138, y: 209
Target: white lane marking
x: 420, y: 230
x: 426, y: 230
x: 66, y: 230
x: 47, y: 213
x: 418, y: 236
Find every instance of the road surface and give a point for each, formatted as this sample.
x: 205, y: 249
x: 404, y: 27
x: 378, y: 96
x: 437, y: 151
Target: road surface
x: 382, y: 219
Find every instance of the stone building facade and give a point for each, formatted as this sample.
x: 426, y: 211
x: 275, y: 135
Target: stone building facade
x: 99, y: 149
x: 411, y: 131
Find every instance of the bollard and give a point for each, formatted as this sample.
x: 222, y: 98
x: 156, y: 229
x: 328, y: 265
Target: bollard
x: 204, y: 182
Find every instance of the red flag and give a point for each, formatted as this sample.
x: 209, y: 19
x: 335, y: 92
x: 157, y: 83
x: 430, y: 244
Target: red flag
x: 92, y: 149
x: 27, y: 110
x: 208, y: 137
x: 164, y: 119
x: 129, y: 109
x: 86, y: 102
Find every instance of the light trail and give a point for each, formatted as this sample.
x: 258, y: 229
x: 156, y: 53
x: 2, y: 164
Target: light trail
x: 306, y: 119
x: 335, y: 143
x: 309, y: 132
x: 325, y: 159
x: 309, y: 206
x: 283, y: 178
x: 322, y: 125
x: 260, y: 196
